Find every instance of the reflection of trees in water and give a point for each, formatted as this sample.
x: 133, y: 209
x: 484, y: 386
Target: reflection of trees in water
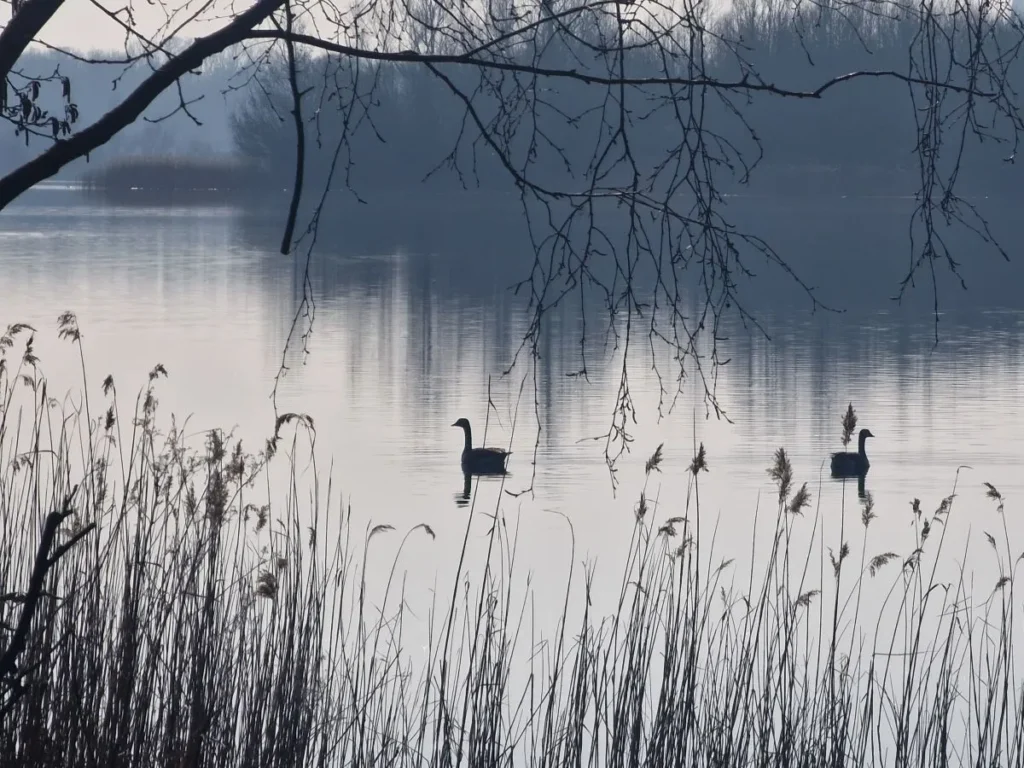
x: 626, y: 203
x: 470, y: 261
x: 436, y: 305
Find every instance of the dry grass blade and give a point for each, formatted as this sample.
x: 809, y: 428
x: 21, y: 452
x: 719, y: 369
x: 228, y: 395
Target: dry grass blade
x: 382, y: 528
x: 429, y: 531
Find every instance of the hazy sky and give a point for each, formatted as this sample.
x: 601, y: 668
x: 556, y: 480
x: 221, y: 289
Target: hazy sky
x: 82, y: 25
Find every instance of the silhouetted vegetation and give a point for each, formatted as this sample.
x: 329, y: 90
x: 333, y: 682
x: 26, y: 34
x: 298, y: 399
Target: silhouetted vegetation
x: 214, y: 617
x: 857, y: 139
x: 211, y: 100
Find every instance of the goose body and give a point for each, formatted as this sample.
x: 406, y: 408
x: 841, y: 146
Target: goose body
x: 849, y: 464
x: 480, y: 461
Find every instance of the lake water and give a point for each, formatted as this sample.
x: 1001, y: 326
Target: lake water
x: 414, y: 323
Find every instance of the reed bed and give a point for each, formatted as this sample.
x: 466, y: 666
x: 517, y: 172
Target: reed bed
x: 204, y: 605
x: 132, y: 177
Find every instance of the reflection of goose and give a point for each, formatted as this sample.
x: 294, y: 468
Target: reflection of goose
x: 480, y: 461
x: 462, y: 499
x: 852, y: 464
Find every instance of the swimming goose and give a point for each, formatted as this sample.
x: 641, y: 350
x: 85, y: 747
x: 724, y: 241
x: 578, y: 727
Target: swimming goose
x: 849, y: 464
x: 480, y: 461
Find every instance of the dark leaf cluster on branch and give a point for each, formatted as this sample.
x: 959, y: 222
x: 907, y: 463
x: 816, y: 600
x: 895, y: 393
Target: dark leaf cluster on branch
x: 21, y: 103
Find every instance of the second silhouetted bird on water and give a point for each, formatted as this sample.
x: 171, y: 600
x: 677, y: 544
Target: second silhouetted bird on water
x: 480, y: 461
x: 493, y: 460
x: 850, y: 464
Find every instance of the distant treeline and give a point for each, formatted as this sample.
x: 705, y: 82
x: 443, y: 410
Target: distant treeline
x: 97, y: 88
x: 859, y: 138
x: 140, y: 178
x: 382, y: 128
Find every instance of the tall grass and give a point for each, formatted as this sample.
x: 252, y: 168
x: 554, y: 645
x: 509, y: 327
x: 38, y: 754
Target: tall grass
x: 226, y: 611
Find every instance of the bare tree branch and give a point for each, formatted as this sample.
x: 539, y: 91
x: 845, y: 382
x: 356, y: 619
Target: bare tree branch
x: 745, y: 84
x: 64, y: 151
x: 300, y: 133
x: 25, y: 24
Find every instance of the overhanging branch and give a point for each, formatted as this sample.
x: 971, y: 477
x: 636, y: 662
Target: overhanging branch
x: 65, y: 151
x: 745, y: 84
x: 27, y: 22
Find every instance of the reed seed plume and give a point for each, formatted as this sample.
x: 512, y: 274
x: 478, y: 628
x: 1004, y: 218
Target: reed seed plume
x: 282, y: 420
x: 640, y: 511
x: 266, y: 585
x: 849, y: 424
x: 992, y: 493
x: 67, y: 324
x: 880, y: 561
x: 781, y: 471
x: 867, y: 513
x: 7, y: 340
x: 801, y: 499
x: 837, y: 563
x: 699, y: 463
x: 28, y: 357
x: 805, y: 599
x: 654, y: 463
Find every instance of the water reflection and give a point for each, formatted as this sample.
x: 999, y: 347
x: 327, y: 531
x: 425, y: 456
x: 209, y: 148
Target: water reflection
x: 416, y: 323
x: 862, y: 492
x: 492, y: 481
x: 462, y: 498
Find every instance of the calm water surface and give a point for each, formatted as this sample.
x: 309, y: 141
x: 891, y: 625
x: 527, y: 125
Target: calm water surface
x: 409, y: 335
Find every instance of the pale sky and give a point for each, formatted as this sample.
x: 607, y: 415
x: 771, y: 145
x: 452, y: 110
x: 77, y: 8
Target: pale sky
x: 80, y: 24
